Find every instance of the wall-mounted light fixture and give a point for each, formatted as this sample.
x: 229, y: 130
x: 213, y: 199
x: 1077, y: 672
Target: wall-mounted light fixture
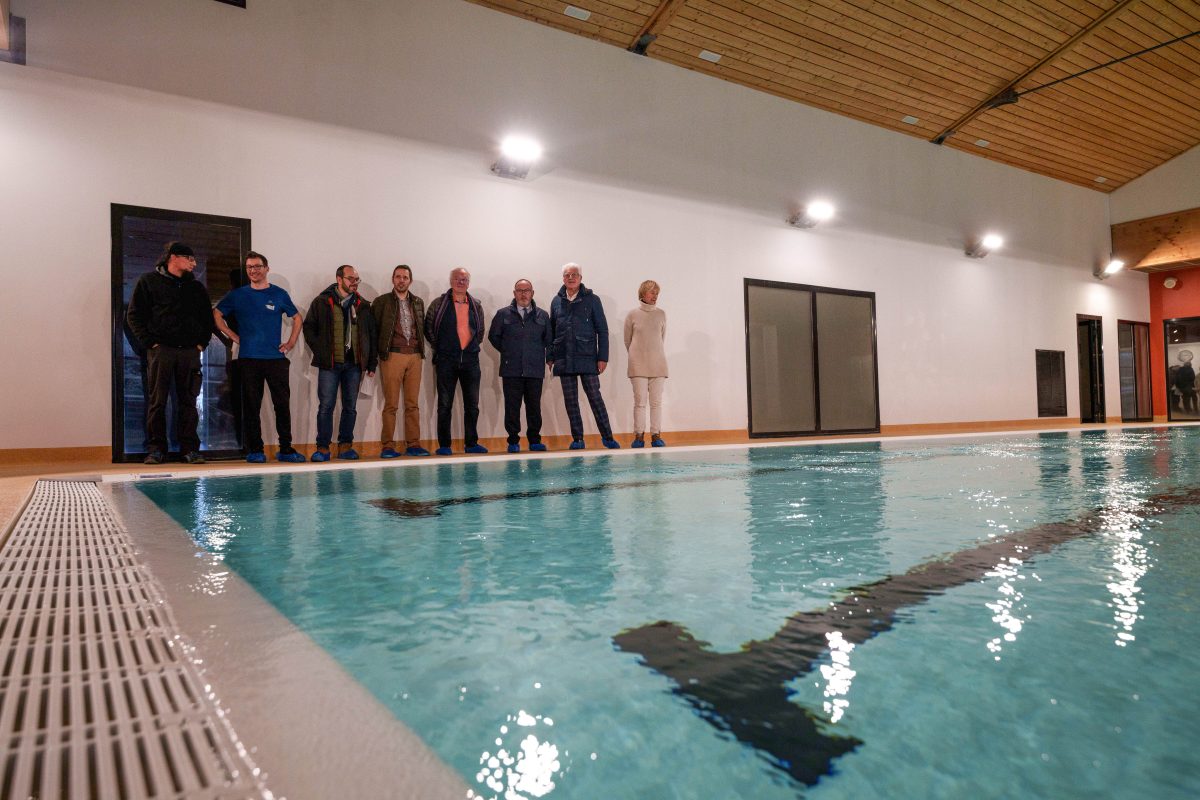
x: 985, y: 245
x: 813, y: 213
x: 1108, y: 270
x: 1171, y: 283
x: 517, y: 155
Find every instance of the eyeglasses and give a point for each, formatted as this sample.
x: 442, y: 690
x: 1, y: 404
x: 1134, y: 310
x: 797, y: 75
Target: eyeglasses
x: 255, y: 266
x: 352, y: 280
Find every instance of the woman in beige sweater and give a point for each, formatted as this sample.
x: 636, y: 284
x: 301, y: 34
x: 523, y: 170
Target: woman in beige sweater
x: 645, y: 331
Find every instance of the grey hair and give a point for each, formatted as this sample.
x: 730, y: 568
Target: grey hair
x: 570, y: 264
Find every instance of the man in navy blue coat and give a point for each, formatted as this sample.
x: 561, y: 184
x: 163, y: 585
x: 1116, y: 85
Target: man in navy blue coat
x: 521, y: 333
x: 454, y: 329
x: 579, y: 352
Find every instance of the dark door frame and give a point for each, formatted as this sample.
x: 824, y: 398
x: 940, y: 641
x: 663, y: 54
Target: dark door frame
x: 1098, y: 411
x: 813, y: 292
x: 117, y: 212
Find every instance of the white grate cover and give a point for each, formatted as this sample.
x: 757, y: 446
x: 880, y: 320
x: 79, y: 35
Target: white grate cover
x: 98, y: 695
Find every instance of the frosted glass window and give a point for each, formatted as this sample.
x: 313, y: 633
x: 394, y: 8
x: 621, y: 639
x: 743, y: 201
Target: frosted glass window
x: 780, y: 354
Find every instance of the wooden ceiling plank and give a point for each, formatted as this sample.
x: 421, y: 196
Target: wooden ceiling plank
x: 1098, y: 102
x: 613, y: 19
x: 1043, y: 62
x: 823, y: 46
x: 1102, y: 131
x: 654, y: 25
x: 991, y: 26
x: 812, y: 89
x: 1036, y: 16
x: 766, y: 12
x: 601, y: 8
x: 524, y: 10
x: 1038, y: 125
x: 1158, y: 243
x: 1135, y: 97
x: 961, y: 45
x: 1053, y: 147
x: 665, y: 49
x: 901, y: 96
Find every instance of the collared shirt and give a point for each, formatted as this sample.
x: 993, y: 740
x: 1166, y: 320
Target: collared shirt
x: 404, y: 316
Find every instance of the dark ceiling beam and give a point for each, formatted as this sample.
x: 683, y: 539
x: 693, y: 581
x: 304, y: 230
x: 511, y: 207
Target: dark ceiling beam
x: 1009, y: 93
x: 5, y: 38
x: 654, y: 25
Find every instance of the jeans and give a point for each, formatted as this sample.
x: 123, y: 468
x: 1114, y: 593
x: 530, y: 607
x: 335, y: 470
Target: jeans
x: 451, y: 372
x: 345, y: 377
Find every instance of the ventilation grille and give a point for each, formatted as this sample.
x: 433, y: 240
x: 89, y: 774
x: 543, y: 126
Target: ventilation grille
x: 98, y: 698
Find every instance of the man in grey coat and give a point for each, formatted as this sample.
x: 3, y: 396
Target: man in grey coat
x: 521, y: 333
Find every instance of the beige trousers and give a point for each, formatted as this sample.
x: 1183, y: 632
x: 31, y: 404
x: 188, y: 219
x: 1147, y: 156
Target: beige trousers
x: 401, y: 371
x: 643, y: 389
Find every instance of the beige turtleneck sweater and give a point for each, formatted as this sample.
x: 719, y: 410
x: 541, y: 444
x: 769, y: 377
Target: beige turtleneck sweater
x: 645, y: 331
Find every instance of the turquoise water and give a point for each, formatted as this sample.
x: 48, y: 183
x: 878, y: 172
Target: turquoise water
x: 482, y: 610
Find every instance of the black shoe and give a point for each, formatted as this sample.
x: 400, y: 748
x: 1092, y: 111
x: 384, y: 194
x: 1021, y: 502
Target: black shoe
x: 153, y: 457
x: 194, y: 457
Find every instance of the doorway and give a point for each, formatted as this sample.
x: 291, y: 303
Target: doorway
x: 1091, y: 368
x: 138, y: 237
x: 1182, y: 340
x: 1133, y: 349
x: 811, y: 360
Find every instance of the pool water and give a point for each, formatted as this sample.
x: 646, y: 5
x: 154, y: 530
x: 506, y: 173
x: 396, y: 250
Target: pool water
x: 505, y: 610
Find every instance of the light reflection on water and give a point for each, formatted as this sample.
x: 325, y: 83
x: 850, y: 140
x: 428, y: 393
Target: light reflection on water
x: 487, y: 593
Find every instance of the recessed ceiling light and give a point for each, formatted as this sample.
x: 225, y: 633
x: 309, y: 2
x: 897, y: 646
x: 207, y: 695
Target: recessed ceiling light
x: 982, y: 142
x: 708, y: 55
x: 1101, y: 179
x: 909, y: 120
x: 577, y: 13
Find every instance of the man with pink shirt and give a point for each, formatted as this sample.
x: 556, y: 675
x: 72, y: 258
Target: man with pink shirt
x: 454, y: 328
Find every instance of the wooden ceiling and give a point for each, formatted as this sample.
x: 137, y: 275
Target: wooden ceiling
x: 940, y: 62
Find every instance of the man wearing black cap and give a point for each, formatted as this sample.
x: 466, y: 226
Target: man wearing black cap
x: 171, y: 317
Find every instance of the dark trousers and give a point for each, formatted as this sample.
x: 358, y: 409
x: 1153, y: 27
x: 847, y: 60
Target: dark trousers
x: 449, y: 374
x: 274, y: 372
x: 529, y: 390
x: 168, y: 366
x: 591, y: 387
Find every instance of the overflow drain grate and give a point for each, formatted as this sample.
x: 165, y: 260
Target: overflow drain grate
x: 98, y: 697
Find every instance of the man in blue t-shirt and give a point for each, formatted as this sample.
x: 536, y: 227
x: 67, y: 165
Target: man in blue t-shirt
x: 258, y: 310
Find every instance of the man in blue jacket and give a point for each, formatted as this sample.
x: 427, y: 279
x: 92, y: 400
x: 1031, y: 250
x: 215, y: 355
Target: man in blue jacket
x: 454, y: 329
x: 579, y: 350
x: 521, y: 333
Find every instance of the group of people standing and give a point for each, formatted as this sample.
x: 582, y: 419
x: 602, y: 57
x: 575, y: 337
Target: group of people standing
x: 351, y: 339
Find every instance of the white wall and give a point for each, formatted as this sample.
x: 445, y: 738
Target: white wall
x: 652, y: 171
x: 1174, y: 186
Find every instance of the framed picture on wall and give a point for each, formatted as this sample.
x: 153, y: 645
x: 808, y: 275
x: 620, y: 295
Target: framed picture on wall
x: 1183, y: 360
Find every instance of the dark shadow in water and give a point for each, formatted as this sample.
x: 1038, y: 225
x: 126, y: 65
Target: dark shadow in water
x: 745, y: 693
x: 404, y: 507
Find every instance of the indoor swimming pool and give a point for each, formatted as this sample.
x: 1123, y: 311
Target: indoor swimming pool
x: 995, y: 616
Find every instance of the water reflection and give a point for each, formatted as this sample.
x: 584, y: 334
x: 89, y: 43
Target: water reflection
x: 525, y: 770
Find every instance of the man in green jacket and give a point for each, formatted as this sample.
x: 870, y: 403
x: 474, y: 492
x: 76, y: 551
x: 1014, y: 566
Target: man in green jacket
x: 400, y: 315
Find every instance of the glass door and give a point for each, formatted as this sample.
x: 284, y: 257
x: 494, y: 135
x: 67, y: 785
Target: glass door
x: 138, y: 237
x: 810, y: 360
x: 1133, y: 345
x: 1183, y: 355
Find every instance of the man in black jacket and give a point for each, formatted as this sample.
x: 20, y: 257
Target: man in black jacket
x: 171, y: 317
x: 521, y: 332
x: 454, y: 329
x: 340, y: 330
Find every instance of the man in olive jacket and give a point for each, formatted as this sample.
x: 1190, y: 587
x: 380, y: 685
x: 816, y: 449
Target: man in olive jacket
x: 400, y: 315
x: 521, y: 333
x: 171, y: 317
x: 340, y: 330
